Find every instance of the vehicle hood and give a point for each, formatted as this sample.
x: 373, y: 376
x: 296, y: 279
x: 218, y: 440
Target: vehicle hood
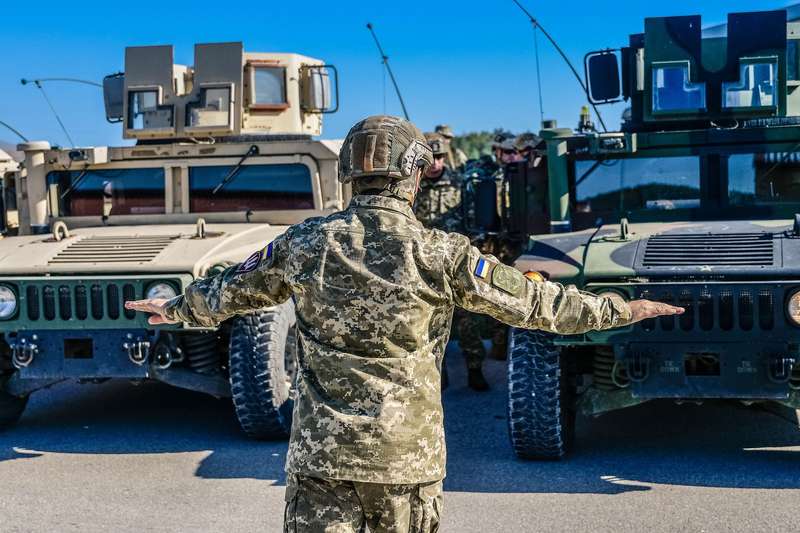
x: 682, y: 249
x: 134, y: 249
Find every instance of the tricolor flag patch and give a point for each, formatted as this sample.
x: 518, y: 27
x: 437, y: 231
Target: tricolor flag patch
x: 482, y: 268
x: 268, y: 251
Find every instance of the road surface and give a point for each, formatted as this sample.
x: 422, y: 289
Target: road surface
x: 120, y: 457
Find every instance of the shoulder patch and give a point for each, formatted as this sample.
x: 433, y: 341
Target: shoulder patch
x: 250, y: 264
x: 508, y: 279
x: 482, y: 269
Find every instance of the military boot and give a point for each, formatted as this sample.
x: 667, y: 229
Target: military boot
x: 498, y: 352
x: 476, y: 381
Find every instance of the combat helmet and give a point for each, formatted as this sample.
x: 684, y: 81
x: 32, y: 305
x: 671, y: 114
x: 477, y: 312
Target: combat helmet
x: 503, y: 141
x: 527, y: 141
x: 383, y: 146
x: 445, y: 131
x: 437, y: 142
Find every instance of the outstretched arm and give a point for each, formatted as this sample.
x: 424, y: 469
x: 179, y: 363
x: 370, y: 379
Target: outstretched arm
x: 255, y: 283
x: 484, y: 285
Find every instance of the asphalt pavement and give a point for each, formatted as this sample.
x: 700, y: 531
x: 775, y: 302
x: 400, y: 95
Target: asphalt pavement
x: 121, y: 457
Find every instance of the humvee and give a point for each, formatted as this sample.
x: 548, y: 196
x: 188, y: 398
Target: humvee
x: 8, y: 171
x: 224, y: 161
x: 694, y: 202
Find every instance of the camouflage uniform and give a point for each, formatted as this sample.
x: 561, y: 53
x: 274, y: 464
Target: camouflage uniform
x: 438, y: 205
x: 374, y: 295
x: 456, y: 158
x: 315, y: 504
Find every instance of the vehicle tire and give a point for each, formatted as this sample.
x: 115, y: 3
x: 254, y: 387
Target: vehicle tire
x: 260, y: 375
x: 11, y: 407
x: 541, y: 415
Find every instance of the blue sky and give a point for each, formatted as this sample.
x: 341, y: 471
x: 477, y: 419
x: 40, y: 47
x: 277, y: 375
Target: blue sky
x: 469, y: 63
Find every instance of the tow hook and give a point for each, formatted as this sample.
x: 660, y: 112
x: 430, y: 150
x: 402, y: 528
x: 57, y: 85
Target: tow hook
x: 23, y: 352
x: 137, y: 349
x: 780, y: 369
x: 638, y: 368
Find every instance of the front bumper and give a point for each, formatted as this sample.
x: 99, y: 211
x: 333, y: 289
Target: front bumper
x: 733, y: 341
x: 82, y: 353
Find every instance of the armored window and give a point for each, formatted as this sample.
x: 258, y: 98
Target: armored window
x: 213, y: 110
x: 128, y: 191
x: 673, y: 91
x: 792, y: 59
x: 250, y: 188
x: 623, y: 185
x: 766, y: 178
x: 757, y: 85
x: 267, y: 87
x: 145, y: 113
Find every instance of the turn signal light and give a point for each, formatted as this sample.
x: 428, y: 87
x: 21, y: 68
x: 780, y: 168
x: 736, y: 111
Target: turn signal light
x: 534, y: 276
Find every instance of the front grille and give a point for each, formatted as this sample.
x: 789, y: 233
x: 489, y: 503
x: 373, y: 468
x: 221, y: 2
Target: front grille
x: 99, y: 301
x: 712, y: 307
x: 113, y: 250
x: 732, y: 249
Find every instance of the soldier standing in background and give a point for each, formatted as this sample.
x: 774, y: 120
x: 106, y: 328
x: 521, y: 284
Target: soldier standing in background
x: 374, y: 294
x: 438, y: 205
x: 456, y: 158
x: 500, y: 246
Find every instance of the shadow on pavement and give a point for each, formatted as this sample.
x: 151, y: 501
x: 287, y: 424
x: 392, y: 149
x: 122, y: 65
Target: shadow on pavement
x: 713, y: 445
x: 717, y: 444
x: 120, y: 418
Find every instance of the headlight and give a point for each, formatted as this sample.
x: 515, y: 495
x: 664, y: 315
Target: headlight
x: 161, y: 290
x: 8, y: 302
x: 793, y: 308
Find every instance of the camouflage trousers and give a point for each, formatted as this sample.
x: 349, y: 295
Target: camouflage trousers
x: 316, y: 505
x: 469, y: 327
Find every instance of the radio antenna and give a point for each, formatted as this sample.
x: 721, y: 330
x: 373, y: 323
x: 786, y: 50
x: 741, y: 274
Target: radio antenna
x: 565, y: 58
x: 385, y: 60
x: 38, y: 84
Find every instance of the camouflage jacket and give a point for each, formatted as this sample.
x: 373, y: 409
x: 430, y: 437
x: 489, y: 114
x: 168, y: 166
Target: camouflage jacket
x: 438, y: 202
x: 374, y: 295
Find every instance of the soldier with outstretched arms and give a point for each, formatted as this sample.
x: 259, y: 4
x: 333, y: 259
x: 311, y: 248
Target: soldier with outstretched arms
x: 375, y: 292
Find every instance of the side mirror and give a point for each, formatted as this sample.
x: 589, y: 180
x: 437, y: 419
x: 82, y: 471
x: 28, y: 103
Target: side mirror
x: 114, y: 96
x: 602, y: 77
x: 319, y: 89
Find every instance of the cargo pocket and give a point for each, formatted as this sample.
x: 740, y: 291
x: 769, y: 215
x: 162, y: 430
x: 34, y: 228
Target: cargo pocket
x: 426, y: 513
x: 290, y: 511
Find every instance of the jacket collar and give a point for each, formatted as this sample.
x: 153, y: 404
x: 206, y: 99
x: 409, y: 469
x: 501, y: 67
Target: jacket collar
x: 373, y: 201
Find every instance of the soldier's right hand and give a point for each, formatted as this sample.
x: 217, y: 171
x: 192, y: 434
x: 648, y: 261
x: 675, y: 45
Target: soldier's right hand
x: 156, y: 307
x: 644, y: 309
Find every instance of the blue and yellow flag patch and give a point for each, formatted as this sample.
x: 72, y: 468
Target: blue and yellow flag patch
x: 482, y: 268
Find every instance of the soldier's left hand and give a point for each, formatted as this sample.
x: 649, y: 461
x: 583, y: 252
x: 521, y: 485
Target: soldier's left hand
x: 156, y: 307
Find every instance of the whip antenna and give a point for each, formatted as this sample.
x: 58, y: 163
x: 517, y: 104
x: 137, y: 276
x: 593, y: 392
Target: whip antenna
x: 385, y: 60
x: 38, y: 84
x: 14, y: 130
x: 565, y: 58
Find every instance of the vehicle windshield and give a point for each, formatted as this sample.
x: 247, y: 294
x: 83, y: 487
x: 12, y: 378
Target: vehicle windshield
x: 252, y: 188
x: 128, y: 191
x: 709, y: 187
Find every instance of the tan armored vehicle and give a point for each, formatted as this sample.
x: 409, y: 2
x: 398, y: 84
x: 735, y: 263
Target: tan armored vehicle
x: 9, y: 167
x: 224, y: 161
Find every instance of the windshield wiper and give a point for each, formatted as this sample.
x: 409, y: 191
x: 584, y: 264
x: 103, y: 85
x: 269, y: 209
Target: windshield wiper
x: 235, y: 170
x: 74, y: 185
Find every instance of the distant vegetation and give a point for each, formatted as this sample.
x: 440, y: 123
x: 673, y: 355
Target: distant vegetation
x: 477, y: 143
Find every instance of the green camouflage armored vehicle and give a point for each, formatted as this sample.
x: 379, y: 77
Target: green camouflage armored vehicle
x: 695, y: 202
x: 224, y: 161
